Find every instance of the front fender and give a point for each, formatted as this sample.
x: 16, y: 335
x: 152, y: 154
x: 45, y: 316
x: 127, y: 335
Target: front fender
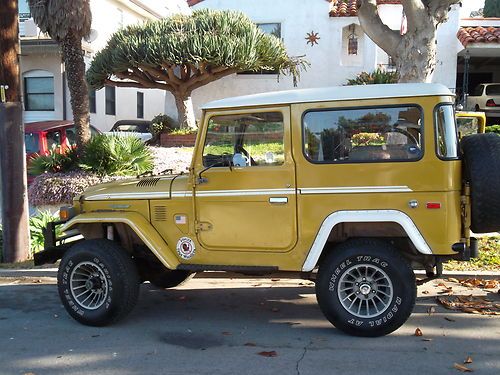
x: 143, y: 228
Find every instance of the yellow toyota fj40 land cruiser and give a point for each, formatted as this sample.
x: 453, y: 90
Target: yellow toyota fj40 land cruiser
x: 354, y: 187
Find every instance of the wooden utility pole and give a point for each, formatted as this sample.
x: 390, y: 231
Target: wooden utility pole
x: 12, y: 152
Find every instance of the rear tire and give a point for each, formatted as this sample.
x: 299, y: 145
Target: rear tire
x: 98, y: 282
x: 481, y: 154
x: 365, y: 288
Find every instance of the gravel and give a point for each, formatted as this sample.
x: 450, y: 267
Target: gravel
x: 176, y: 158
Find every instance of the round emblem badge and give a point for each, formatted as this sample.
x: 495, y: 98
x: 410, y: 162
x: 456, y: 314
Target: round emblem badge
x: 185, y: 248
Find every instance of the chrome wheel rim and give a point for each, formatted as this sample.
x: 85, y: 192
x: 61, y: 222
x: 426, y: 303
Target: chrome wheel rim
x: 88, y: 285
x: 365, y: 290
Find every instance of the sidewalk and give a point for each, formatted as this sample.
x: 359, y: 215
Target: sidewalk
x: 52, y: 272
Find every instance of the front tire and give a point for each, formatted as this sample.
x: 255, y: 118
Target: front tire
x: 365, y: 288
x: 98, y: 283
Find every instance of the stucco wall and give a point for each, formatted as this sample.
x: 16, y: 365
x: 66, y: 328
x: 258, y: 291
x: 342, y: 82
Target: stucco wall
x: 329, y: 65
x: 49, y: 62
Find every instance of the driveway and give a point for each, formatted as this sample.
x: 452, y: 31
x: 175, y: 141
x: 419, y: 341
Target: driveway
x: 219, y: 326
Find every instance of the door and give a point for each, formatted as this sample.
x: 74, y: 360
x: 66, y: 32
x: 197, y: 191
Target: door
x: 245, y: 194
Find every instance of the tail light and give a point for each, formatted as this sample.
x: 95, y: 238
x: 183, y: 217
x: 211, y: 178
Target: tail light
x: 490, y: 103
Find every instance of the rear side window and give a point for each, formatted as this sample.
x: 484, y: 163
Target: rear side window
x: 493, y: 90
x: 446, y: 132
x: 363, y: 134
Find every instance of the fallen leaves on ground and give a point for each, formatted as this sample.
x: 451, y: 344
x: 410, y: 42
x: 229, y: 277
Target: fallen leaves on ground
x: 470, y: 304
x: 475, y: 283
x: 462, y: 368
x: 431, y: 310
x: 272, y: 353
x: 468, y: 359
x: 418, y: 332
x: 250, y: 344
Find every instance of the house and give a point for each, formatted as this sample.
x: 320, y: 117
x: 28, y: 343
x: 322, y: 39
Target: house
x: 328, y: 33
x: 46, y: 95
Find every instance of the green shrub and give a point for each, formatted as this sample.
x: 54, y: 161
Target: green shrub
x: 54, y: 162
x: 376, y: 77
x: 37, y: 223
x: 162, y: 123
x: 116, y: 155
x: 493, y: 129
x: 183, y: 131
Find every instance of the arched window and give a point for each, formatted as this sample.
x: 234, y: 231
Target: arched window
x: 38, y: 90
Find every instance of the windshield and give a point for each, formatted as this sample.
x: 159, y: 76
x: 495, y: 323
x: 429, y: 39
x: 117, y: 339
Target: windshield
x: 493, y: 90
x: 31, y: 141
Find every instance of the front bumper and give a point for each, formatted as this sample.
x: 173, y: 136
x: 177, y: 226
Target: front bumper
x: 55, y: 246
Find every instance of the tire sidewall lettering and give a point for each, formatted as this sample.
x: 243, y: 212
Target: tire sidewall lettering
x: 388, y: 315
x: 72, y: 304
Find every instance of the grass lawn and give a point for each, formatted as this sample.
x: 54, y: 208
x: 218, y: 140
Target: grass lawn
x: 488, y: 260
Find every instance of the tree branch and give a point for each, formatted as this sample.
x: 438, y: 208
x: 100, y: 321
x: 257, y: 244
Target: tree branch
x: 413, y: 10
x: 440, y: 8
x: 211, y: 77
x: 376, y: 30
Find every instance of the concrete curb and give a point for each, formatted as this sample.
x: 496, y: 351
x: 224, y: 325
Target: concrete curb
x: 52, y: 272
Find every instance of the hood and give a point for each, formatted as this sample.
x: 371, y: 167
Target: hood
x: 152, y: 187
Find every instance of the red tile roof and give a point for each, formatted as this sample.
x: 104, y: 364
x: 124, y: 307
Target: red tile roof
x: 348, y: 8
x: 479, y: 34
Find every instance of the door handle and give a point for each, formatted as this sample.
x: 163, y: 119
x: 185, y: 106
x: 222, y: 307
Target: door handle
x: 278, y: 200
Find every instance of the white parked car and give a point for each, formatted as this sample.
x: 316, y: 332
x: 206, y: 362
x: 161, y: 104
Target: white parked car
x: 137, y: 128
x: 485, y: 98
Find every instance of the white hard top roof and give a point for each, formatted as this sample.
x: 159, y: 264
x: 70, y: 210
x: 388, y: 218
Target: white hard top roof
x: 331, y: 94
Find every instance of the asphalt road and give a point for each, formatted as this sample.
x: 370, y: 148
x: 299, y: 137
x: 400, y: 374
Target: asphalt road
x: 218, y: 326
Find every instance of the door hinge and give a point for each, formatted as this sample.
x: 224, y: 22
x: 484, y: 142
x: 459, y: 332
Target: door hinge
x: 203, y: 226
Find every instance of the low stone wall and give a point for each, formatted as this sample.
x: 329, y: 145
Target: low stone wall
x: 177, y: 140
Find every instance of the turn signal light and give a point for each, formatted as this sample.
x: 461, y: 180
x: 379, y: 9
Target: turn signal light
x: 66, y: 213
x: 433, y: 205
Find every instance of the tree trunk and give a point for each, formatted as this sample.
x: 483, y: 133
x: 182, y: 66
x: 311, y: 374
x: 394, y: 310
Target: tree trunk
x: 415, y: 56
x: 9, y: 50
x: 14, y: 200
x: 185, y: 111
x: 72, y: 54
x: 414, y: 52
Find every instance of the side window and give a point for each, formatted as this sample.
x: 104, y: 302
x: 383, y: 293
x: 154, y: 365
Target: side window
x: 478, y: 91
x: 446, y: 132
x: 244, y: 140
x: 363, y: 135
x: 53, y: 140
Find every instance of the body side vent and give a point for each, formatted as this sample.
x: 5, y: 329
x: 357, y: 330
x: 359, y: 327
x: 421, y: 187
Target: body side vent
x: 148, y: 182
x: 160, y: 213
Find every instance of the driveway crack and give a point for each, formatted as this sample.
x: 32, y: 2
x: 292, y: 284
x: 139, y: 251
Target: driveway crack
x: 297, y: 369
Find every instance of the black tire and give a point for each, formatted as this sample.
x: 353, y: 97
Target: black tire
x: 396, y: 291
x: 481, y: 155
x: 105, y: 272
x: 170, y: 278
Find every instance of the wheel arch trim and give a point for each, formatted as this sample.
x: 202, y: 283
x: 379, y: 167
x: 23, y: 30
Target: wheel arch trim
x: 138, y: 224
x: 366, y: 216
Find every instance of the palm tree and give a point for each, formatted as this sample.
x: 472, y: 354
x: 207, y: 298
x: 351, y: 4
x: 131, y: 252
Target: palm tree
x: 68, y: 22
